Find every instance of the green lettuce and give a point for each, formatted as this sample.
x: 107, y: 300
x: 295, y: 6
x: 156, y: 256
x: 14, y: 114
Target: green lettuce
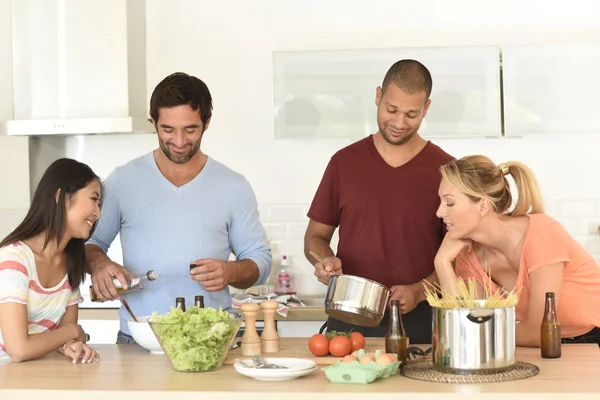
x: 195, y: 340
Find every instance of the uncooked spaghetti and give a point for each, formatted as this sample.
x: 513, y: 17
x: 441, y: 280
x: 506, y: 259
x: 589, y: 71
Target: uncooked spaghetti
x: 467, y: 297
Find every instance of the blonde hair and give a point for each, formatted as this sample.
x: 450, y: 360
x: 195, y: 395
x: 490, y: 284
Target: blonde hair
x: 478, y: 177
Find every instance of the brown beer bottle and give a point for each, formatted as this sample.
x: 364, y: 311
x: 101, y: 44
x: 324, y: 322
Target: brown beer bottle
x: 180, y: 303
x: 550, y: 331
x: 199, y: 301
x: 396, y: 340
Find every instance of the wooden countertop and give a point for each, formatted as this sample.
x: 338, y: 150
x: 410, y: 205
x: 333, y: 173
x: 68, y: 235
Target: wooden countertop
x: 128, y: 370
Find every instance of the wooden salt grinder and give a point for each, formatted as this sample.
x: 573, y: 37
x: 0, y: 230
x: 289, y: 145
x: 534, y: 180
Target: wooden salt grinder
x: 250, y: 339
x: 269, y: 336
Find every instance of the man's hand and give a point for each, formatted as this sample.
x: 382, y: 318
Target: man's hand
x: 408, y: 296
x: 212, y: 274
x: 331, y: 266
x: 102, y: 280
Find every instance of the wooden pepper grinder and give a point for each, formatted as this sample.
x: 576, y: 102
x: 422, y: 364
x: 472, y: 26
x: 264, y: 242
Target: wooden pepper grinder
x: 269, y: 337
x: 250, y: 339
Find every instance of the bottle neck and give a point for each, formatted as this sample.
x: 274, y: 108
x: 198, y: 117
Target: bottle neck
x: 550, y: 312
x: 138, y: 281
x: 394, y: 324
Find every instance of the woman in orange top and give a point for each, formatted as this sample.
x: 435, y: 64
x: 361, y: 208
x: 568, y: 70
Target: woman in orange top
x: 522, y: 249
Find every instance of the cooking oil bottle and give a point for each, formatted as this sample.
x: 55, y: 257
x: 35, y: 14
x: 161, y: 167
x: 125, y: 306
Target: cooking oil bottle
x: 133, y: 283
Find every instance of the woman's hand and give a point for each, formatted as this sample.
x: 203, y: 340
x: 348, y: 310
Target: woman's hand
x: 80, y: 351
x: 450, y: 249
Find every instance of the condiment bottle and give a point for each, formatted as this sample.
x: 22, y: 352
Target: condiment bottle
x: 199, y: 301
x: 250, y: 340
x: 550, y: 333
x: 180, y: 303
x: 269, y: 337
x: 133, y: 283
x: 284, y: 278
x: 396, y: 340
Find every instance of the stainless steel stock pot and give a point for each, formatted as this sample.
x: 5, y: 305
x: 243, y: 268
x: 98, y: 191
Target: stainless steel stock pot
x: 474, y: 340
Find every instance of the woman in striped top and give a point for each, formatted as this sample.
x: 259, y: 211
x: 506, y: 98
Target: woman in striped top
x: 42, y: 264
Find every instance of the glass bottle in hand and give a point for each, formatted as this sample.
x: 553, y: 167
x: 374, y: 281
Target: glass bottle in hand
x: 396, y: 340
x: 133, y: 283
x: 550, y: 330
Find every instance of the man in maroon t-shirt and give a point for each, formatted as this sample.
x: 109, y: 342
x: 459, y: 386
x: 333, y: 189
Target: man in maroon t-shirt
x: 382, y: 194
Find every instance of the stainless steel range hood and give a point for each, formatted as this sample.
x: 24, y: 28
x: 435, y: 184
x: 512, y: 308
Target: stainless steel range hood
x: 79, y: 67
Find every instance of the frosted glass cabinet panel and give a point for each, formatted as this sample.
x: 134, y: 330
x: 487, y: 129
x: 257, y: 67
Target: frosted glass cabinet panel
x: 551, y: 89
x: 332, y: 93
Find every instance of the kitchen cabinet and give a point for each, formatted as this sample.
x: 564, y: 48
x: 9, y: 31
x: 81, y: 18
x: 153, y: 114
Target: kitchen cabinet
x: 295, y: 329
x: 14, y: 173
x: 102, y: 322
x: 6, y: 103
x: 551, y: 89
x: 105, y: 331
x: 100, y: 331
x: 331, y: 93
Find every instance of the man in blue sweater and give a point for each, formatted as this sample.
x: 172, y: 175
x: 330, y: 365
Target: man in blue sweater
x: 174, y: 207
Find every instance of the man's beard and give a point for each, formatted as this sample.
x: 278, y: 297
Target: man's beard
x: 397, y: 142
x: 180, y: 158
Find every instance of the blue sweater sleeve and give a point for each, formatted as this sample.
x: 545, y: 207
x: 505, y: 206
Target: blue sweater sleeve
x: 247, y: 236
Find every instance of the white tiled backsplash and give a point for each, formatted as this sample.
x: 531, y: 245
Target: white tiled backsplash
x: 286, y: 223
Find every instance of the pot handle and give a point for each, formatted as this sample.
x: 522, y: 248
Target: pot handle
x: 480, y: 316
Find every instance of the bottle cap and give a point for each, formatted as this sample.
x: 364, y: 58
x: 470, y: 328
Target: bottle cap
x: 152, y: 275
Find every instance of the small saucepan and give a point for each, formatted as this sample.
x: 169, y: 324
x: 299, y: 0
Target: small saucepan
x: 356, y: 300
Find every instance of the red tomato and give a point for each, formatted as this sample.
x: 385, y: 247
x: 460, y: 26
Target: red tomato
x: 318, y: 345
x: 340, y: 346
x: 357, y: 340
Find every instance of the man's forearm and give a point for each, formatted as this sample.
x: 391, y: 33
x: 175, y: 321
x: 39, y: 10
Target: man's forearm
x: 94, y: 255
x: 431, y: 280
x: 244, y: 273
x: 320, y: 246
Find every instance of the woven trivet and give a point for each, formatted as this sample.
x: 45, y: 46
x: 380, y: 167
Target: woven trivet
x: 424, y: 371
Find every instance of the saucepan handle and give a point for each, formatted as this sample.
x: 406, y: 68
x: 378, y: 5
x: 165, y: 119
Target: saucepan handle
x: 480, y: 316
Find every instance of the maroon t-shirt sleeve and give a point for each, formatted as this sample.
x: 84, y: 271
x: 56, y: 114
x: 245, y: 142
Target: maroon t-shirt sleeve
x: 325, y: 205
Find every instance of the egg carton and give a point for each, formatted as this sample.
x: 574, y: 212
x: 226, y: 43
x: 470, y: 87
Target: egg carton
x: 356, y: 372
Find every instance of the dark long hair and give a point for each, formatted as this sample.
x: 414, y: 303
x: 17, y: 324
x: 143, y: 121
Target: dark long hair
x: 49, y: 214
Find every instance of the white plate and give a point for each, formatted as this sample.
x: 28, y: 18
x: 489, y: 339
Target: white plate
x: 297, y: 367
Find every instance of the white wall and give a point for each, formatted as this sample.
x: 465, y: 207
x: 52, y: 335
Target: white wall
x: 229, y: 45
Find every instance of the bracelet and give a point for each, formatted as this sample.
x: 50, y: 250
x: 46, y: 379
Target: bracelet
x: 64, y: 347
